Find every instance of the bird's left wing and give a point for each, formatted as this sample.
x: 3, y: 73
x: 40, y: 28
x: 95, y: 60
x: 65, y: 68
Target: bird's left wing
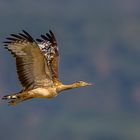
x: 49, y: 47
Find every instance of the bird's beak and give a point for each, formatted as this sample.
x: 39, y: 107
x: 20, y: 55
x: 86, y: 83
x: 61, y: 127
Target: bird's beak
x: 91, y: 84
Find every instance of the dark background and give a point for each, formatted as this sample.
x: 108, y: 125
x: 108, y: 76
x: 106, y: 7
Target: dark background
x: 99, y: 42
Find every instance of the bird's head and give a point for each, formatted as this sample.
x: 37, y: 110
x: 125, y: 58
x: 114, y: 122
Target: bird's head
x: 82, y: 84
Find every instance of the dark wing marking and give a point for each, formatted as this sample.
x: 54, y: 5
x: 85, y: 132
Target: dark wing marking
x: 49, y: 47
x: 30, y: 62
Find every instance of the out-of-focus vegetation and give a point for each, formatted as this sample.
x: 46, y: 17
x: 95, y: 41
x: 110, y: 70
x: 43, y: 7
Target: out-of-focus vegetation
x: 99, y: 41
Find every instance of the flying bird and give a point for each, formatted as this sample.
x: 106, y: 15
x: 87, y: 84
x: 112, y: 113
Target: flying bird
x: 37, y: 64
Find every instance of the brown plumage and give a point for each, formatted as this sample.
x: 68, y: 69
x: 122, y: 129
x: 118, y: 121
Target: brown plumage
x: 37, y: 67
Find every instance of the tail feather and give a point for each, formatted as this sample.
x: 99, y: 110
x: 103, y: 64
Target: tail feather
x: 7, y: 97
x: 16, y: 98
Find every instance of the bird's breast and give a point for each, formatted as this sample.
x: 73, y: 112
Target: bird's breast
x: 44, y: 93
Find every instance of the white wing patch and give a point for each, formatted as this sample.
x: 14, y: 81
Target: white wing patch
x: 48, y: 50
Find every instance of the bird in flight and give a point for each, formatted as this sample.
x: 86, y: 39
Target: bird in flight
x: 37, y: 67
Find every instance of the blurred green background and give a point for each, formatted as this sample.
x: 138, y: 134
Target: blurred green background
x: 99, y: 42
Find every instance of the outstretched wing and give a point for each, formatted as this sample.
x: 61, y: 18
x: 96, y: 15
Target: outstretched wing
x: 30, y: 62
x: 49, y: 47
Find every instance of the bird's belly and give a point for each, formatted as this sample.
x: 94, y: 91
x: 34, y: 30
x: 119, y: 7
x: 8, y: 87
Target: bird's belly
x: 43, y: 93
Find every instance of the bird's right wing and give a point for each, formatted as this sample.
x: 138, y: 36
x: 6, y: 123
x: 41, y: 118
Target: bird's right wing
x: 49, y: 47
x: 30, y: 61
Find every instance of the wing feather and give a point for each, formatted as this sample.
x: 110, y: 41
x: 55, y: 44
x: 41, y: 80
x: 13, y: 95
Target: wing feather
x: 49, y: 47
x: 30, y: 62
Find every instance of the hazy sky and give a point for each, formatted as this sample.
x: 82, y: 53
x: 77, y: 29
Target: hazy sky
x: 99, y: 41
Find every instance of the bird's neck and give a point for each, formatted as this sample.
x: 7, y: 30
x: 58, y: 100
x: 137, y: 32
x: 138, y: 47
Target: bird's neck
x: 67, y: 87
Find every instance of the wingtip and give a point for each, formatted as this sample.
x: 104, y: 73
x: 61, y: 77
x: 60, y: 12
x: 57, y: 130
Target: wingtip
x: 24, y: 31
x: 28, y: 36
x: 50, y: 31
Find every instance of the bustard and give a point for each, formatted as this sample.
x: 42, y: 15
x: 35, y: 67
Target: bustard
x: 37, y: 67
